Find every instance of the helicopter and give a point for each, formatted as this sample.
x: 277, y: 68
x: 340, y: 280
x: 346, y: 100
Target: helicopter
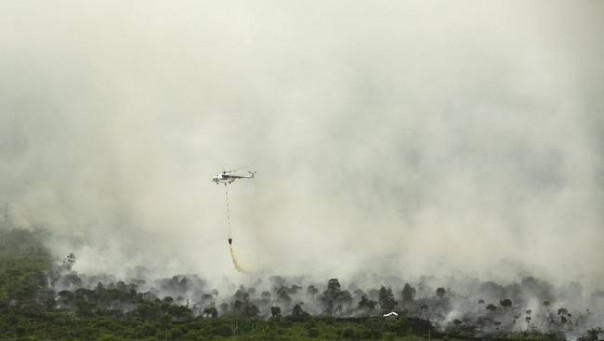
x: 227, y: 177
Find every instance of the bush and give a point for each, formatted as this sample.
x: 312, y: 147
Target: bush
x: 349, y: 334
x: 313, y: 332
x: 222, y: 330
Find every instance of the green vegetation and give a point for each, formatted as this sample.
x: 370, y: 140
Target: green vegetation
x: 24, y: 270
x: 31, y: 309
x: 64, y: 326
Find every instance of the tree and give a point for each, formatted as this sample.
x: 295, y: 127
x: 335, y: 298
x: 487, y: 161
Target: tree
x: 506, y: 303
x: 210, y: 312
x: 344, y: 297
x: 366, y: 303
x: 408, y: 293
x: 294, y: 289
x: 440, y: 292
x: 69, y: 260
x: 334, y: 297
x: 275, y: 311
x: 312, y: 290
x: 265, y: 295
x: 241, y: 294
x: 313, y: 333
x: 386, y: 298
x: 593, y: 333
x: 179, y: 313
x: 283, y: 295
x: 238, y: 305
x: 250, y: 310
x: 349, y: 334
x: 298, y: 314
x: 333, y: 285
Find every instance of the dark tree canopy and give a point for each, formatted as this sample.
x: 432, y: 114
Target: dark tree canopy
x: 506, y: 303
x: 42, y: 301
x: 408, y: 293
x: 333, y: 285
x: 275, y: 311
x: 386, y: 298
x: 366, y: 303
x: 440, y: 292
x: 298, y: 314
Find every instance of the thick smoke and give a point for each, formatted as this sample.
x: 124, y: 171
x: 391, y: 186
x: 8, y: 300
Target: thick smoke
x: 405, y: 138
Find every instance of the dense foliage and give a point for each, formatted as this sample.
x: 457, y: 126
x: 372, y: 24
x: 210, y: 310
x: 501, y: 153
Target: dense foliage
x: 40, y: 300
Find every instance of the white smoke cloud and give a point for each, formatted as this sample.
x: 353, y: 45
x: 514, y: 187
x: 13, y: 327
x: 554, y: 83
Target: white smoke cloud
x: 403, y: 138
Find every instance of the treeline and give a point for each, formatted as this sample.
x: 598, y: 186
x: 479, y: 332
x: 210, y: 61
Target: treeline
x: 32, y: 307
x: 40, y: 300
x: 64, y: 326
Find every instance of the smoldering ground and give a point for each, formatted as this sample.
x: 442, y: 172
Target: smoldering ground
x: 468, y: 308
x: 407, y: 138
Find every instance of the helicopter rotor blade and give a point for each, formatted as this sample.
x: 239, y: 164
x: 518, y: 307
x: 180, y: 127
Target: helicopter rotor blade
x: 235, y: 170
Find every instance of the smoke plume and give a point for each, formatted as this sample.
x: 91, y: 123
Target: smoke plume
x: 393, y: 137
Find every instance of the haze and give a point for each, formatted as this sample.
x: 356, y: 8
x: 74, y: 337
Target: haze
x: 402, y: 138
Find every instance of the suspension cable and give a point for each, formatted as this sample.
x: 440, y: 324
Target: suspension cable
x: 228, y: 213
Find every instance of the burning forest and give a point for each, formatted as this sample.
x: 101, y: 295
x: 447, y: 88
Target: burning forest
x: 296, y: 169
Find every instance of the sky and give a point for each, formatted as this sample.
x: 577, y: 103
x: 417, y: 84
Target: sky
x: 403, y: 138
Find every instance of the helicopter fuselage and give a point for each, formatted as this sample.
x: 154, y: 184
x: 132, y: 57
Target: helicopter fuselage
x: 226, y: 178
